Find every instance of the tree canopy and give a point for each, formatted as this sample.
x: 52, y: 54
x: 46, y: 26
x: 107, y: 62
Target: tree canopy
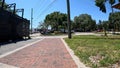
x: 84, y: 22
x: 114, y: 20
x: 56, y: 19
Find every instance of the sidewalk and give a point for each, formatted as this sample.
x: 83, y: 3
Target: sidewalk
x: 48, y: 53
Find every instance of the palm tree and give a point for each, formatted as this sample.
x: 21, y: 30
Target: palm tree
x: 101, y: 4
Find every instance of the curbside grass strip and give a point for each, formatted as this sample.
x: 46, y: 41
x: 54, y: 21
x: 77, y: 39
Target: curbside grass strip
x: 74, y: 57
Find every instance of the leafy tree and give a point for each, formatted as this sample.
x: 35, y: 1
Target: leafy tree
x: 105, y: 27
x: 56, y: 20
x: 84, y: 22
x: 99, y: 25
x: 77, y: 23
x: 114, y: 21
x: 102, y: 6
x: 42, y: 26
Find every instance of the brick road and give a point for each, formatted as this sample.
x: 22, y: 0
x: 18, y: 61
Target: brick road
x: 48, y: 53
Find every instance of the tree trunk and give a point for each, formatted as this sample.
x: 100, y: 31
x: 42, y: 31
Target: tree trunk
x: 105, y: 33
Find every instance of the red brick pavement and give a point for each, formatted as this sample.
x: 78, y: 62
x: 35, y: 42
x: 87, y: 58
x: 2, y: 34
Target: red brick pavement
x: 48, y: 53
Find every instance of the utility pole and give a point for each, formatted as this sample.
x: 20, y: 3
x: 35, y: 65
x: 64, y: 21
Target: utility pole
x: 68, y: 19
x: 31, y: 19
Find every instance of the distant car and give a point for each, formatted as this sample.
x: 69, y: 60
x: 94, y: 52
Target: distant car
x: 99, y: 30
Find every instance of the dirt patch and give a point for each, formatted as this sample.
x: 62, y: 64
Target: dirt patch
x: 96, y: 59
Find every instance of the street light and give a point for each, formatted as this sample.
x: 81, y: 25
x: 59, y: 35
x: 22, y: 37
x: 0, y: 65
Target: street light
x: 68, y: 19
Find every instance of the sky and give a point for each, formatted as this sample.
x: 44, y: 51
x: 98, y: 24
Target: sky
x: 43, y: 7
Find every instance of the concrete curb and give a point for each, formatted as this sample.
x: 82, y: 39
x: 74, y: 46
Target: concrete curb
x: 74, y: 57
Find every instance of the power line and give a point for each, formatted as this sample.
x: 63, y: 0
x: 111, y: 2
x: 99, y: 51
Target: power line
x: 13, y: 0
x: 43, y: 3
x: 39, y: 2
x: 46, y: 8
x: 37, y: 20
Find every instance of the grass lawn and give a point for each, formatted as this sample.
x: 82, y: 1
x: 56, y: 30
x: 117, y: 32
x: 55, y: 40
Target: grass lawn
x: 96, y: 51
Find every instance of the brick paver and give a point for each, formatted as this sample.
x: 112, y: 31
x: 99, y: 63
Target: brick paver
x: 48, y: 53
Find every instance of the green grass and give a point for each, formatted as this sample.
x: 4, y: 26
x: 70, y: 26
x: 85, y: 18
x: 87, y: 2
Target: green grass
x: 86, y: 46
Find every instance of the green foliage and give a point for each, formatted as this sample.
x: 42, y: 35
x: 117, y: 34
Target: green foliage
x: 114, y: 21
x: 84, y: 22
x: 56, y: 32
x: 103, y: 26
x: 43, y: 26
x: 86, y: 46
x: 99, y: 25
x: 102, y: 6
x: 56, y: 19
x: 111, y: 2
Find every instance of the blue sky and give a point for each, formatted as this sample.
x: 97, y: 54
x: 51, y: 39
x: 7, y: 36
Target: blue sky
x: 43, y: 7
